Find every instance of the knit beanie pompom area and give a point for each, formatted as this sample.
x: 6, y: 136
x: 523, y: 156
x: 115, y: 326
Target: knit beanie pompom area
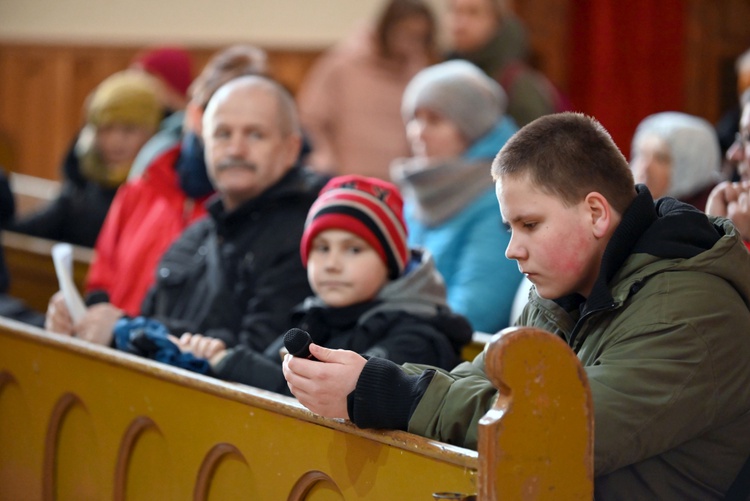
x: 459, y: 91
x: 368, y: 207
x: 171, y: 64
x: 128, y: 97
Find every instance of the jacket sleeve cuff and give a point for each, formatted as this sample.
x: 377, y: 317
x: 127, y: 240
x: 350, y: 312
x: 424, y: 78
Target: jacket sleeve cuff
x: 385, y: 396
x: 97, y: 296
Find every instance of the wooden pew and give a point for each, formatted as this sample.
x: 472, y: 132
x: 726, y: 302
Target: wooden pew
x: 478, y: 341
x: 32, y: 273
x: 32, y: 192
x: 87, y: 422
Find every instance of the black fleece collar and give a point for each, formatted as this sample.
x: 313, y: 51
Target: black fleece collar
x: 638, y: 217
x: 295, y: 183
x: 680, y: 231
x: 667, y: 229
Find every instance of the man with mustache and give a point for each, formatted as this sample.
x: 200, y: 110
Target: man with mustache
x: 235, y: 274
x: 151, y: 210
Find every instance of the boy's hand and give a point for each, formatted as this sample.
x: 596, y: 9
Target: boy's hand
x: 210, y: 348
x: 322, y: 386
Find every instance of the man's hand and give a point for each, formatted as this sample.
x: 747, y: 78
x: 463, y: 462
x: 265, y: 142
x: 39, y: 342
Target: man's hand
x: 98, y: 325
x: 58, y: 319
x: 732, y: 200
x: 210, y: 348
x: 323, y: 386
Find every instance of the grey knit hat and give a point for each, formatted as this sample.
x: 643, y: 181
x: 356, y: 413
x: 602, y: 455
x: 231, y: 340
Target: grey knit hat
x: 459, y: 91
x: 693, y: 146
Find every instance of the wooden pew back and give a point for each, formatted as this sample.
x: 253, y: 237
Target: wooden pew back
x: 32, y: 272
x: 86, y: 422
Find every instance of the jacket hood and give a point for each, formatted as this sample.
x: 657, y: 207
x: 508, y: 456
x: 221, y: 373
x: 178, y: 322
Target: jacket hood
x: 669, y: 235
x: 420, y: 290
x: 726, y: 257
x: 652, y: 239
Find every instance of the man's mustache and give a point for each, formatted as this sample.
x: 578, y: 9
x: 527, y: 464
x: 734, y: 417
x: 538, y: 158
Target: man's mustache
x: 236, y: 162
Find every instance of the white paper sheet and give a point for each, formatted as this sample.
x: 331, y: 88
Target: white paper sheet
x: 62, y: 256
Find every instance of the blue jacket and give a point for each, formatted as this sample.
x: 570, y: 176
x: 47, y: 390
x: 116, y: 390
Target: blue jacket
x: 469, y: 247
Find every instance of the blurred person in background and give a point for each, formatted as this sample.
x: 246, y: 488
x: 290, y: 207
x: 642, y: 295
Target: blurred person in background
x: 122, y: 113
x: 456, y: 125
x: 728, y: 124
x: 731, y: 199
x: 151, y: 211
x: 676, y: 155
x: 11, y: 307
x: 488, y: 34
x: 173, y: 69
x: 349, y: 104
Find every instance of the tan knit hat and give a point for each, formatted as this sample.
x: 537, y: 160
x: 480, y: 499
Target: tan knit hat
x: 125, y: 97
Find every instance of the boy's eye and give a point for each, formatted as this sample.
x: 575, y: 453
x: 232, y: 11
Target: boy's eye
x: 529, y: 226
x: 355, y: 249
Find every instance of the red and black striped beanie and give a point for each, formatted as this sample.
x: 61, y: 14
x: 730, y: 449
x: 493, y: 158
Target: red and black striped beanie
x: 370, y: 208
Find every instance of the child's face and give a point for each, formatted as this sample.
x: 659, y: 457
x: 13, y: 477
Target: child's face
x: 556, y: 246
x: 343, y: 269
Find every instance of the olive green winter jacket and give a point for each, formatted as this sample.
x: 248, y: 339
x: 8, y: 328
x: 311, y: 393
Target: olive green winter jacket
x: 665, y: 341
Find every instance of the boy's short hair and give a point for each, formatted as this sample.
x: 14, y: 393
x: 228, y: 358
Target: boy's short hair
x: 368, y: 207
x: 568, y: 155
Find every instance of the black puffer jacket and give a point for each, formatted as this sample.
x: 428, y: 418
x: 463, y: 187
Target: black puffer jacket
x: 236, y: 276
x: 409, y: 321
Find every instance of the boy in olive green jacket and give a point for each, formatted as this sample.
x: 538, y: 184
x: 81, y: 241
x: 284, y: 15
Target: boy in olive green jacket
x: 653, y: 298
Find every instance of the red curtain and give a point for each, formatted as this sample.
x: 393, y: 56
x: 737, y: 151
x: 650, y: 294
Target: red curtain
x: 626, y: 61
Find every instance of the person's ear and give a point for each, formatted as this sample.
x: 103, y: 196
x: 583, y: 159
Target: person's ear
x: 293, y: 147
x: 601, y: 214
x: 193, y: 118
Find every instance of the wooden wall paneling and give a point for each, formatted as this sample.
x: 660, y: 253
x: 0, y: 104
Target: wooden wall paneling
x: 734, y: 37
x: 716, y: 34
x: 43, y: 89
x: 549, y: 33
x: 290, y: 67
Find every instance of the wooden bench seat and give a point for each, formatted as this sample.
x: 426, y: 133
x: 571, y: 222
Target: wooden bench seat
x: 32, y: 192
x: 87, y: 422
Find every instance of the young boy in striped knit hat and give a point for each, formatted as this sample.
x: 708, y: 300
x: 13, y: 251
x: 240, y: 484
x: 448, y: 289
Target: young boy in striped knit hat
x: 373, y: 295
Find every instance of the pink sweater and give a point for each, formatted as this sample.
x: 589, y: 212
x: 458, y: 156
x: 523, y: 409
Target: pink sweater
x: 350, y: 105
